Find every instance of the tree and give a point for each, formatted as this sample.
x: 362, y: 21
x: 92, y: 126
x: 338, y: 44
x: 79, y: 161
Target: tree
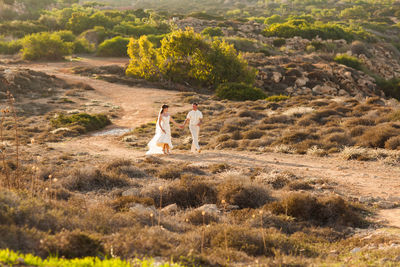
x: 39, y: 46
x: 188, y: 57
x: 79, y: 22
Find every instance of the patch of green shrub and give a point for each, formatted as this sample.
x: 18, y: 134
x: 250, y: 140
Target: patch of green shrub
x: 390, y: 87
x: 307, y: 30
x: 10, y: 48
x: 44, y: 46
x: 212, y: 31
x: 115, y: 47
x: 188, y: 57
x: 132, y: 29
x: 239, y: 92
x: 277, y: 98
x: 279, y: 42
x: 87, y: 121
x: 82, y: 46
x: 349, y: 61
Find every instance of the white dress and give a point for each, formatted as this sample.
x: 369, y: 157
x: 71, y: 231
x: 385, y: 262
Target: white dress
x: 156, y: 143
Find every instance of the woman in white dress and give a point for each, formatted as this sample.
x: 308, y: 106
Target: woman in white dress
x: 161, y: 142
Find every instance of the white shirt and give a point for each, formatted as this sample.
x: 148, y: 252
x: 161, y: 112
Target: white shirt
x: 194, y: 117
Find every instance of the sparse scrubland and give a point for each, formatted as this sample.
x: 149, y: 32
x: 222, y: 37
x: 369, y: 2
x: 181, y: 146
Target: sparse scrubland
x: 316, y: 81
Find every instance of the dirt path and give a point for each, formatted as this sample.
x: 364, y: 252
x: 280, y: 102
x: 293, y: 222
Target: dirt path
x: 139, y: 105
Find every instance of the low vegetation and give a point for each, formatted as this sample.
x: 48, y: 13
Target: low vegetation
x: 82, y: 122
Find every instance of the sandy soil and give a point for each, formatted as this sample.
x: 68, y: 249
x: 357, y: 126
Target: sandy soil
x: 140, y: 105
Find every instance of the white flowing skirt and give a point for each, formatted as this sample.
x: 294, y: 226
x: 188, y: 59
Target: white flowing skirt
x: 160, y: 138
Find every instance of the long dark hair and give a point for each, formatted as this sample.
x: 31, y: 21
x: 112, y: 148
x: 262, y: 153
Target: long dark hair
x: 162, y: 108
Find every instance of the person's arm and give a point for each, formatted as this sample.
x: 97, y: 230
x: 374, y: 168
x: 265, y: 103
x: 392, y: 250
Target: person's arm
x: 159, y: 122
x: 200, y: 119
x: 174, y: 122
x: 185, y: 122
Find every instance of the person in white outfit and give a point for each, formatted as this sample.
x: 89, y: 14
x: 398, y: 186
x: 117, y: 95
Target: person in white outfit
x: 194, y: 118
x: 161, y: 142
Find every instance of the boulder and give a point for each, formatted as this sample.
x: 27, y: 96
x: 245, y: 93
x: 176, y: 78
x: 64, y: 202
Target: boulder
x: 170, y: 209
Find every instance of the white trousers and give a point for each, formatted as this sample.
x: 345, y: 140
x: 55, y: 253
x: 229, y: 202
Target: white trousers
x: 195, y: 130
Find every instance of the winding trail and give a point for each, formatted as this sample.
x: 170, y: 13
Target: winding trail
x: 139, y: 105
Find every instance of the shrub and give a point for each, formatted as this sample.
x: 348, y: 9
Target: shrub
x: 130, y: 29
x: 123, y: 203
x: 307, y: 30
x: 393, y: 143
x: 72, y: 245
x: 390, y: 87
x: 185, y: 56
x: 358, y: 48
x: 186, y: 194
x: 242, y: 194
x: 349, y: 61
x: 44, y: 46
x: 10, y: 48
x: 66, y: 36
x: 377, y: 136
x: 239, y: 92
x: 332, y: 210
x: 196, y: 217
x: 93, y: 179
x: 87, y: 121
x: 212, y: 31
x: 82, y: 46
x: 253, y: 134
x: 279, y: 42
x: 277, y: 98
x: 115, y: 47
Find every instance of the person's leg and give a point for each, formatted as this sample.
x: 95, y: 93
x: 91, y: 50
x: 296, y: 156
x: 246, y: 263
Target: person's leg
x: 167, y: 148
x: 195, y: 138
x: 164, y: 148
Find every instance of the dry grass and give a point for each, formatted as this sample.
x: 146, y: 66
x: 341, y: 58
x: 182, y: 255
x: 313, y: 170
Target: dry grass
x: 332, y: 210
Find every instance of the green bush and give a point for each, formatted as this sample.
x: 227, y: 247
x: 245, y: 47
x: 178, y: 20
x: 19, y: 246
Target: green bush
x: 115, y: 47
x: 44, y: 46
x: 212, y: 31
x: 239, y: 92
x: 188, y: 57
x: 82, y: 46
x: 10, y: 48
x: 277, y: 98
x: 19, y: 29
x: 87, y: 121
x: 390, y: 87
x: 66, y: 36
x: 349, y: 61
x: 304, y: 29
x: 131, y: 29
x: 279, y: 42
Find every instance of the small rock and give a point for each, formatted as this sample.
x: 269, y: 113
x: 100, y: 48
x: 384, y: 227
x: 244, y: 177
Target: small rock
x: 355, y: 250
x: 386, y: 205
x: 173, y: 208
x: 232, y: 207
x: 365, y: 199
x: 131, y: 192
x: 59, y: 130
x: 143, y: 209
x: 393, y: 198
x: 397, y: 259
x: 209, y: 208
x: 301, y: 81
x: 277, y: 77
x: 74, y: 111
x: 130, y: 138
